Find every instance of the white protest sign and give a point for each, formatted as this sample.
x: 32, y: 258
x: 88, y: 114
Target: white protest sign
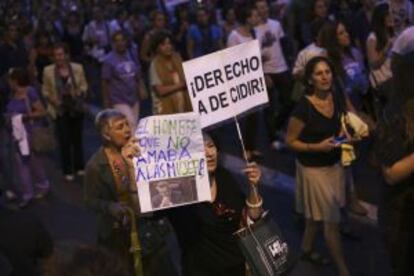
x: 171, y: 170
x: 226, y: 83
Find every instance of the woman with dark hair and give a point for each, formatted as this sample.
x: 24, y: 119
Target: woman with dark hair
x: 379, y: 44
x: 205, y: 231
x: 347, y: 61
x: 180, y: 29
x: 169, y: 92
x: 40, y: 55
x: 312, y: 131
x: 395, y: 153
x: 30, y: 164
x: 318, y: 11
x: 158, y: 23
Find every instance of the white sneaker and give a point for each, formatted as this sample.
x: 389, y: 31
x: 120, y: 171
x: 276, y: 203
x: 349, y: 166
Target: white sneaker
x: 80, y: 173
x: 69, y: 177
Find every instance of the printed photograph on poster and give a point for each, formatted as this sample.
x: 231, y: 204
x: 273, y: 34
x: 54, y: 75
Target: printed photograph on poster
x: 172, y: 192
x: 226, y: 83
x: 171, y: 170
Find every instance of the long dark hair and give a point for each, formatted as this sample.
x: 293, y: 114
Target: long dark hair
x: 378, y: 25
x: 329, y: 41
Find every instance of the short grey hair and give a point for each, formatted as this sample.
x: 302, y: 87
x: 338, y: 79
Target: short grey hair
x: 103, y: 117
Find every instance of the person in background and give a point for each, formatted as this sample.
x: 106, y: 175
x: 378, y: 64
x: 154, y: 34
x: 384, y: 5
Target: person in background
x: 361, y: 24
x: 122, y: 85
x: 64, y: 88
x: 230, y: 21
x: 72, y: 36
x: 279, y: 83
x: 158, y: 23
x: 379, y: 44
x: 41, y: 55
x: 352, y: 76
x: 180, y: 30
x: 402, y: 14
x: 248, y: 18
x: 203, y: 37
x: 109, y: 189
x: 347, y: 60
x: 395, y: 153
x: 13, y: 53
x: 319, y: 11
x: 169, y: 91
x: 96, y: 36
x: 30, y: 165
x: 121, y: 23
x: 320, y: 187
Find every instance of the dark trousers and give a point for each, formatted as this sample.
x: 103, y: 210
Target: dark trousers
x: 69, y: 131
x: 280, y: 103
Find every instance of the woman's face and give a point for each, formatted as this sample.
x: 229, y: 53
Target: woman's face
x: 254, y: 18
x: 166, y: 47
x: 119, y: 132
x: 322, y: 77
x: 211, y: 154
x: 320, y: 10
x: 342, y: 36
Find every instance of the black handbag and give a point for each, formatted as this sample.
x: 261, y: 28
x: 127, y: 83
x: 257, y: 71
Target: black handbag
x: 266, y: 251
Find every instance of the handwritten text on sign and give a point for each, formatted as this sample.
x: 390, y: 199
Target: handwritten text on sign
x: 171, y: 147
x: 226, y: 83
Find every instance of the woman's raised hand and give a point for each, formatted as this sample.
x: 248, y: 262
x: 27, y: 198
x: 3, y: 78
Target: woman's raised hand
x: 253, y: 173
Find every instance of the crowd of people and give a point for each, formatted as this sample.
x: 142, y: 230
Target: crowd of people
x: 322, y: 60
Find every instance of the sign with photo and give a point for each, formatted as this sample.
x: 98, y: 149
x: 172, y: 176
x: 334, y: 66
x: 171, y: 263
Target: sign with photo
x: 171, y: 170
x: 226, y: 83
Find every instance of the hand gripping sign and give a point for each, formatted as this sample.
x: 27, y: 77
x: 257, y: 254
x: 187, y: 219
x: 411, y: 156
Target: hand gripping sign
x: 226, y: 83
x: 171, y: 170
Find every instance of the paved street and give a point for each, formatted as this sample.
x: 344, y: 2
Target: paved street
x: 67, y: 219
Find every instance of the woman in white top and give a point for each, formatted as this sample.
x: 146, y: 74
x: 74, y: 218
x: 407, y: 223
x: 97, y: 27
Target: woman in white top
x: 379, y: 44
x: 248, y: 18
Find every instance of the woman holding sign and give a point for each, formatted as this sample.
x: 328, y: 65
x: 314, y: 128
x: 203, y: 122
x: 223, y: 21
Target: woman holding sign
x: 205, y: 231
x: 312, y: 131
x: 169, y: 92
x: 110, y: 193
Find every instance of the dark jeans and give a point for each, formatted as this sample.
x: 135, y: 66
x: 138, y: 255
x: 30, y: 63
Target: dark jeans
x: 280, y: 103
x: 69, y: 131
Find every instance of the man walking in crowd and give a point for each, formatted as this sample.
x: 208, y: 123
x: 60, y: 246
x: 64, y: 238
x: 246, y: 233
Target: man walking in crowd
x: 278, y: 78
x: 121, y: 79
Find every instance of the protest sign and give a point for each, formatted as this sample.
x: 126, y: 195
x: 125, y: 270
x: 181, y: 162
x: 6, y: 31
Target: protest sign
x: 226, y: 83
x: 171, y: 170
